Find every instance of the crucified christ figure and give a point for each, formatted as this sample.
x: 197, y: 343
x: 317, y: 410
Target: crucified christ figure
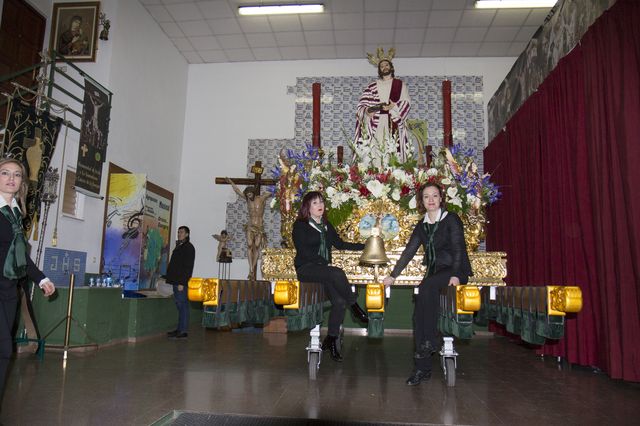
x: 254, y: 229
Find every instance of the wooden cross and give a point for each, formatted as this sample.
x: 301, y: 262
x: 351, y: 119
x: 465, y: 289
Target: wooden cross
x: 256, y: 181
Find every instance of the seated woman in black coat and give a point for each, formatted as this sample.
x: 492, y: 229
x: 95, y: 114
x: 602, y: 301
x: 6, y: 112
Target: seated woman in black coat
x: 313, y: 237
x: 445, y: 255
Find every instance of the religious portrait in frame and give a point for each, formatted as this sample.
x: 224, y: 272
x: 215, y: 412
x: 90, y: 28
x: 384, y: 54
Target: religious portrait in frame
x: 74, y: 30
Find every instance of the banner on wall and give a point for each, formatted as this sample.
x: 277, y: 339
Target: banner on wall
x: 31, y: 138
x: 137, y: 231
x: 156, y: 231
x: 123, y: 236
x: 92, y: 150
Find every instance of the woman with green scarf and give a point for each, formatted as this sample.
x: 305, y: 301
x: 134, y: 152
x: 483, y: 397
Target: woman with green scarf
x: 445, y: 255
x: 14, y: 259
x: 313, y: 237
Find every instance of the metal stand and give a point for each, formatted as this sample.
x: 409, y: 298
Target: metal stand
x: 224, y: 270
x: 67, y: 320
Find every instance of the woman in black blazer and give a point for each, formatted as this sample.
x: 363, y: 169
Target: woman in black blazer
x: 445, y: 255
x: 313, y: 237
x: 14, y: 259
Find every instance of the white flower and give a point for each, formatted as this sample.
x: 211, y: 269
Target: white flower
x: 474, y: 201
x: 412, y: 202
x: 331, y: 191
x: 432, y: 172
x: 272, y: 204
x: 396, y: 194
x: 455, y: 201
x: 377, y: 188
x: 452, y: 192
x: 401, y: 176
x: 446, y: 181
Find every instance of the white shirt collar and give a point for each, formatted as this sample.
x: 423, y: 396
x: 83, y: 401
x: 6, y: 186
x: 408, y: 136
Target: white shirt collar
x: 443, y: 214
x: 14, y: 203
x: 314, y: 226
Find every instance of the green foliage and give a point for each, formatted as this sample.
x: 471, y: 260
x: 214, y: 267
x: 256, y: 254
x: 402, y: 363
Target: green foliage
x: 337, y: 216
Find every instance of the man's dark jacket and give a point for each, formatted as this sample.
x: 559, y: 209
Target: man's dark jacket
x: 180, y: 267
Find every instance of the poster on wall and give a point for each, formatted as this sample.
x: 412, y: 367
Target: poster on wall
x: 156, y: 236
x: 123, y: 237
x: 92, y: 150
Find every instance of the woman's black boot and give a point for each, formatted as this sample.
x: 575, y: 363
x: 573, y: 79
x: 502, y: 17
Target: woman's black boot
x: 330, y: 343
x: 359, y: 313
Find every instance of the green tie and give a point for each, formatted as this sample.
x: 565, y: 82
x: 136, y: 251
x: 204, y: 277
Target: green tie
x: 429, y: 249
x: 15, y: 266
x: 324, y: 250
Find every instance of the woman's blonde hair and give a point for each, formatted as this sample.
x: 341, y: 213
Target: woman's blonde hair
x: 21, y: 195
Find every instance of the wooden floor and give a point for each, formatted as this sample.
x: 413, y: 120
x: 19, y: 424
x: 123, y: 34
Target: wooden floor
x: 498, y: 382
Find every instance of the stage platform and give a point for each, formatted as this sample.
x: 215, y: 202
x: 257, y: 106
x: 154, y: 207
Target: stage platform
x: 102, y: 316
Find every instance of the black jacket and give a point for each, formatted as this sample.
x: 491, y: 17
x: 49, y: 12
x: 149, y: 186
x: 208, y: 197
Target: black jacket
x: 306, y: 240
x: 6, y: 236
x: 180, y: 267
x: 448, y: 241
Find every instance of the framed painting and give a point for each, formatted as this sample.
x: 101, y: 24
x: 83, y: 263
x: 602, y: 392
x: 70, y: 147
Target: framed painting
x: 74, y: 30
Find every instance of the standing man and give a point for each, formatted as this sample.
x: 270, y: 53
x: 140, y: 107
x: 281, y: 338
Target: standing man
x: 254, y: 229
x: 384, y: 106
x: 179, y: 272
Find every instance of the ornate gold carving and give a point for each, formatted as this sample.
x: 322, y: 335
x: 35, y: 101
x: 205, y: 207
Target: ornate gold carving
x: 375, y: 297
x: 474, y: 231
x: 286, y: 227
x: 287, y: 293
x: 489, y: 268
x: 563, y: 300
x: 203, y: 290
x: 467, y: 299
x: 194, y: 289
x: 349, y: 230
x: 210, y: 292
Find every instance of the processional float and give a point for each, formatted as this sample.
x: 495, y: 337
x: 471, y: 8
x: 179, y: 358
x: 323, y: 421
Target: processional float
x: 534, y: 313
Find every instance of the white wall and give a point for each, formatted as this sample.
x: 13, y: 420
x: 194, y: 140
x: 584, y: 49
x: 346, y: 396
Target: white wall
x: 227, y: 104
x: 148, y: 78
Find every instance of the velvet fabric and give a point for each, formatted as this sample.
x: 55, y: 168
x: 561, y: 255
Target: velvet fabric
x: 568, y: 163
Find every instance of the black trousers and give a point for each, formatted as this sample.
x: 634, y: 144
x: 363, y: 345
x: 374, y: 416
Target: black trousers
x: 427, y: 309
x: 337, y: 287
x: 8, y: 308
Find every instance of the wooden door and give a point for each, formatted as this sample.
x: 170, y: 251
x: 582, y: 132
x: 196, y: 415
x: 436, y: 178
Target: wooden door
x: 21, y: 40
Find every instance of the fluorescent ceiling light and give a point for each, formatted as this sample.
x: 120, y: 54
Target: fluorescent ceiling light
x: 281, y: 9
x: 513, y: 4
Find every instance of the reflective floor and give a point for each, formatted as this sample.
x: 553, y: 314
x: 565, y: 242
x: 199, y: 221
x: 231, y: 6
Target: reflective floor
x: 498, y: 382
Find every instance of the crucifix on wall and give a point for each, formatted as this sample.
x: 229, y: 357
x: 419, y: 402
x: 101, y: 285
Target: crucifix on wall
x: 254, y: 228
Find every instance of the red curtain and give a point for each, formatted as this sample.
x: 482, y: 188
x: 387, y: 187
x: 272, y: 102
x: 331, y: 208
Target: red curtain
x: 568, y: 163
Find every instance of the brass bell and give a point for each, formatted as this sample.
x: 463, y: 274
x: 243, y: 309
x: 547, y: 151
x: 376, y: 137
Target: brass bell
x: 374, y: 252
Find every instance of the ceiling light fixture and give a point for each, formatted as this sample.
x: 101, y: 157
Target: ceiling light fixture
x: 513, y: 4
x: 280, y: 9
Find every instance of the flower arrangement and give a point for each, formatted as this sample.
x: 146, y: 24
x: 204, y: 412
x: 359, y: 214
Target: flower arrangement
x: 376, y: 174
x: 467, y: 191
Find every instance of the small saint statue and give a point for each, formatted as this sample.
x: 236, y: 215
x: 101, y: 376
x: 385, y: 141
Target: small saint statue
x: 224, y: 253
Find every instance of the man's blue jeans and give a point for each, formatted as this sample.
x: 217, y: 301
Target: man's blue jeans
x: 182, y: 303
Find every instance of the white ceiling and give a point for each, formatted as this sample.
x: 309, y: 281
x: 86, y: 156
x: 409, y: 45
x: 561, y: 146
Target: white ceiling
x: 212, y: 31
